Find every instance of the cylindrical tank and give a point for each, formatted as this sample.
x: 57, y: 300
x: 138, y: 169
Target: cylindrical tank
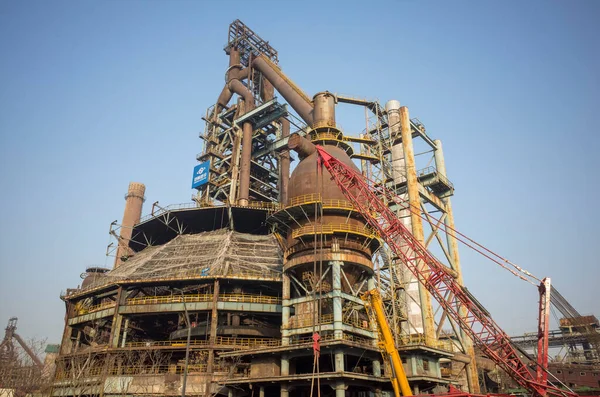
x: 398, y: 166
x: 91, y: 275
x: 324, y: 110
x: 352, y: 248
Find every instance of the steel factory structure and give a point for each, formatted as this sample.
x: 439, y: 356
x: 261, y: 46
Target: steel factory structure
x: 254, y: 288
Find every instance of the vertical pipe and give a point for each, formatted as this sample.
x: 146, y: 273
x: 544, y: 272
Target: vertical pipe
x: 187, y: 346
x: 284, y: 164
x: 471, y: 368
x: 398, y: 168
x: 414, y: 200
x: 134, y: 200
x: 285, y: 310
x: 125, y: 328
x: 244, y: 194
x: 411, y: 287
x: 336, y: 285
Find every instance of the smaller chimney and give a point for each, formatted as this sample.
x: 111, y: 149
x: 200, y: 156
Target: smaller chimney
x: 134, y: 200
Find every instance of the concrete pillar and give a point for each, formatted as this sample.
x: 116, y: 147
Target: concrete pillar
x: 340, y: 389
x: 214, y: 322
x: 376, y: 367
x: 285, y: 365
x: 339, y: 360
x: 417, y: 226
x: 134, y: 200
x: 284, y: 392
x: 261, y: 391
x: 471, y: 368
x: 336, y: 284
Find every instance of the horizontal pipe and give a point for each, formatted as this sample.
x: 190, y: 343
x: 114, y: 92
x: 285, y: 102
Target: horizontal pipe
x: 286, y: 88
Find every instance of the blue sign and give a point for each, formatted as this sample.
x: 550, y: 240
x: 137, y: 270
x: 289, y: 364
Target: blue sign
x: 200, y: 174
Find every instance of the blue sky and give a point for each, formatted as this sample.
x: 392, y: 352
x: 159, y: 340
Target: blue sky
x: 97, y: 94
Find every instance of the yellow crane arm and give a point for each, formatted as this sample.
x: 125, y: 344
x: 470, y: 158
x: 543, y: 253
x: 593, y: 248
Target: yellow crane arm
x: 374, y: 304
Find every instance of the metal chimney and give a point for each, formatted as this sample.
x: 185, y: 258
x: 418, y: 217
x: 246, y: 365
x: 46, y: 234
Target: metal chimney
x: 134, y: 200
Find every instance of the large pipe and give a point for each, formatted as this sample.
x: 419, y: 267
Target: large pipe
x: 398, y: 168
x: 301, y: 145
x: 234, y: 72
x: 284, y: 164
x: 414, y: 200
x: 134, y: 201
x: 286, y: 88
x: 244, y: 192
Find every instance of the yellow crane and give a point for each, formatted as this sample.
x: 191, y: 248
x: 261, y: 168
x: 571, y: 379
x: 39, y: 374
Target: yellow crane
x: 374, y: 306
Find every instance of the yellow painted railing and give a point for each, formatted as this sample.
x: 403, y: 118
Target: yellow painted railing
x: 221, y: 340
x: 364, y: 231
x: 95, y: 308
x: 244, y: 298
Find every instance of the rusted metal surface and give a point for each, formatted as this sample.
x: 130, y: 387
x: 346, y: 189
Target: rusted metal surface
x: 324, y: 110
x: 292, y: 94
x: 346, y: 257
x: 414, y: 200
x: 301, y: 145
x: 134, y: 200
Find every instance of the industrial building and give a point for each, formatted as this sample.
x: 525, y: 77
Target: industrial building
x: 254, y: 288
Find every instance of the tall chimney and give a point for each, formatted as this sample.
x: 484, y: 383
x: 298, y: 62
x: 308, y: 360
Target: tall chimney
x: 134, y: 200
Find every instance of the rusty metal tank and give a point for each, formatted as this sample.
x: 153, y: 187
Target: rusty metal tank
x: 354, y: 248
x: 92, y: 275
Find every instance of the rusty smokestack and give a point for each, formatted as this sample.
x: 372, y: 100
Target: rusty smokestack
x: 134, y: 200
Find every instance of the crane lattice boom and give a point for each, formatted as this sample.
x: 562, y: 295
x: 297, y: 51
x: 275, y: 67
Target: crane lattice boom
x: 474, y: 320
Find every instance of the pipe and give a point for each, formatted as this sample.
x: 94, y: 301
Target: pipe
x: 237, y: 87
x: 284, y: 164
x: 292, y: 94
x: 244, y: 192
x: 412, y: 184
x: 301, y: 145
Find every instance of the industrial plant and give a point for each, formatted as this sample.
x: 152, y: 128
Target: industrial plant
x: 311, y: 262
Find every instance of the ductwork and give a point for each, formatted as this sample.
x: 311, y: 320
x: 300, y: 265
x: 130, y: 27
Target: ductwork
x: 292, y: 94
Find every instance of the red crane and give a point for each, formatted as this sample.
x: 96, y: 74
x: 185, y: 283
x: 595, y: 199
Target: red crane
x: 471, y: 316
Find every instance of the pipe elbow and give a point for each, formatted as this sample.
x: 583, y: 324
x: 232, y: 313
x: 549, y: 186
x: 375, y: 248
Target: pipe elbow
x: 237, y: 87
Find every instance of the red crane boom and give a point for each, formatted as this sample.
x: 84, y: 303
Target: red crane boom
x: 475, y: 321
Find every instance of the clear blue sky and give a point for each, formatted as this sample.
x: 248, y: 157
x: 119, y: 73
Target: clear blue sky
x: 97, y: 94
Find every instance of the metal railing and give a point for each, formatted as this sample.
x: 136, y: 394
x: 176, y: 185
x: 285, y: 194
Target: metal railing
x: 220, y: 340
x: 314, y: 198
x: 364, y: 231
x: 245, y: 298
x: 95, y: 308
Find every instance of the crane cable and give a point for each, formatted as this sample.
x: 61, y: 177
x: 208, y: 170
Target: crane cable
x: 469, y: 242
